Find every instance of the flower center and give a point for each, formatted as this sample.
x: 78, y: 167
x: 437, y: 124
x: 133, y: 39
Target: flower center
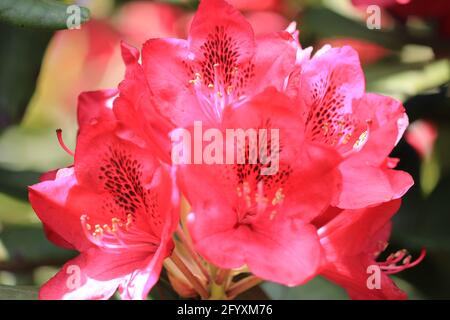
x: 255, y: 204
x: 217, y: 77
x: 119, y: 234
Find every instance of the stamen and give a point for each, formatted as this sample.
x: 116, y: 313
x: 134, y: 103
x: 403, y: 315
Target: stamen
x: 247, y: 192
x: 260, y: 200
x: 219, y: 103
x: 346, y: 138
x: 279, y: 197
x: 390, y: 266
x: 273, y: 214
x: 62, y: 144
x: 256, y: 203
x: 209, y: 106
x: 361, y: 140
x: 246, y: 186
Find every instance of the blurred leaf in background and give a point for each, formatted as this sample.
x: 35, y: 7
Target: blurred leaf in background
x: 26, y: 27
x: 43, y: 14
x: 21, y: 53
x: 18, y: 293
x: 25, y: 30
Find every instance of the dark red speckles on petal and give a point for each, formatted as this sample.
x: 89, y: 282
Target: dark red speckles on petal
x: 219, y: 68
x: 328, y: 121
x: 121, y: 176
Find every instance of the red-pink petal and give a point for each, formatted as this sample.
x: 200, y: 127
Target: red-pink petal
x: 92, y: 275
x: 50, y: 201
x: 236, y: 29
x: 364, y: 185
x: 166, y: 66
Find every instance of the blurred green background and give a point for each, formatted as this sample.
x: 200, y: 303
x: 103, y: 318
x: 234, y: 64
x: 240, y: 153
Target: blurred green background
x: 42, y: 70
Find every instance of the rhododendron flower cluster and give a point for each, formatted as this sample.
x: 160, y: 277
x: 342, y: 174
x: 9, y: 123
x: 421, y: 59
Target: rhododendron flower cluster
x: 218, y: 227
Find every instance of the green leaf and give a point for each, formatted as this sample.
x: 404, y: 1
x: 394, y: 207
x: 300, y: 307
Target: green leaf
x: 317, y: 288
x: 42, y: 274
x: 312, y: 26
x: 15, y: 183
x: 21, y: 54
x: 16, y: 212
x: 45, y: 14
x: 423, y: 222
x: 18, y: 293
x: 430, y: 172
x: 317, y: 23
x: 423, y: 218
x: 27, y: 247
x: 163, y: 290
x: 190, y: 5
x: 408, y: 82
x: 255, y: 293
x: 35, y: 149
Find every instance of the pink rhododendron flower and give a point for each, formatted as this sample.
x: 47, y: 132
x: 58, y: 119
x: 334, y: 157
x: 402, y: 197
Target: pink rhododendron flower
x: 182, y: 81
x: 221, y: 63
x: 116, y: 206
x: 352, y: 241
x: 330, y: 97
x: 243, y: 217
x: 310, y: 188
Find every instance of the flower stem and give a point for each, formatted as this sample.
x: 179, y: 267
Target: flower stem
x: 196, y: 284
x: 217, y: 286
x: 243, y: 285
x: 217, y: 292
x: 188, y: 246
x: 222, y: 276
